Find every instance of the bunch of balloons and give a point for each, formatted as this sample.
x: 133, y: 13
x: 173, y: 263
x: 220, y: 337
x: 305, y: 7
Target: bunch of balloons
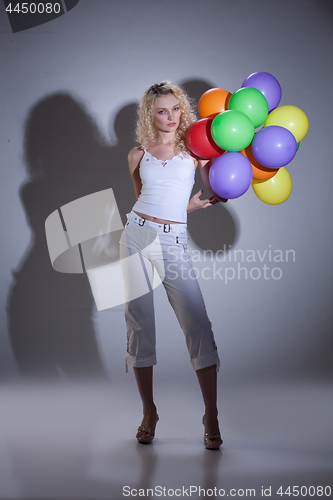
x: 249, y: 137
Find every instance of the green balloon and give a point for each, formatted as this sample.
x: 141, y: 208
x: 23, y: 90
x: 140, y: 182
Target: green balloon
x: 232, y: 130
x: 251, y: 102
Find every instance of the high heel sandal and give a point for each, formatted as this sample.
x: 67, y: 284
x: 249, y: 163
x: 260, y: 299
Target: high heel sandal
x: 145, y: 435
x: 212, y: 441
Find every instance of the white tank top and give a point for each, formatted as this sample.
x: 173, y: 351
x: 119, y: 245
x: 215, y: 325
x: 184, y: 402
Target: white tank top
x: 166, y: 187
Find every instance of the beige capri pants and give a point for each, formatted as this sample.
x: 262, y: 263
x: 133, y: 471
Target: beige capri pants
x: 162, y: 249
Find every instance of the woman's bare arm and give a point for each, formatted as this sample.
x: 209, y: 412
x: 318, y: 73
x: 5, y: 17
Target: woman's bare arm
x: 134, y: 158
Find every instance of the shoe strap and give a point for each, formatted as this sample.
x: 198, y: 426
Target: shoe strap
x: 212, y: 436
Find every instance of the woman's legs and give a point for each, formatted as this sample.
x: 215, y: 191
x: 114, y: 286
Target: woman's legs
x: 144, y: 380
x: 174, y: 266
x: 208, y: 383
x: 207, y: 378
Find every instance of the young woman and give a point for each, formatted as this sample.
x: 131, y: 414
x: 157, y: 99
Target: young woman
x: 162, y: 169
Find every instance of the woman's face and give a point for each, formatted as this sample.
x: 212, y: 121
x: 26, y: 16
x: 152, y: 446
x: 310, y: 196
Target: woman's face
x: 166, y: 113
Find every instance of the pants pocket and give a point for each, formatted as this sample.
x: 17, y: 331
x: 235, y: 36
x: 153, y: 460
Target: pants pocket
x: 182, y: 239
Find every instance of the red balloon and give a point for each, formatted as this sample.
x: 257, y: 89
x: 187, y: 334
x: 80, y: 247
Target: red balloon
x: 199, y: 140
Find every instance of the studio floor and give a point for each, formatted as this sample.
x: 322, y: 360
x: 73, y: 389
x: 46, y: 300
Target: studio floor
x: 77, y: 441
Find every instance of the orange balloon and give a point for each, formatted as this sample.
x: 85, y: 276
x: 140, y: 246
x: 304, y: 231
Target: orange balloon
x: 260, y: 172
x: 213, y: 102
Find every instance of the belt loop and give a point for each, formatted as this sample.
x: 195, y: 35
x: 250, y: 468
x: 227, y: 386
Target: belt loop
x: 141, y: 221
x: 166, y: 228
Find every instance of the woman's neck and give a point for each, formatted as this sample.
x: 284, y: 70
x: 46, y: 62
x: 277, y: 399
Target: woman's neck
x: 165, y: 139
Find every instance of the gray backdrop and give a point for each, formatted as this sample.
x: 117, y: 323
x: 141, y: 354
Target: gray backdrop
x: 69, y: 90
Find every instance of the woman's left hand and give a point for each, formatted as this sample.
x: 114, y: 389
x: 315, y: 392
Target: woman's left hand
x: 195, y: 203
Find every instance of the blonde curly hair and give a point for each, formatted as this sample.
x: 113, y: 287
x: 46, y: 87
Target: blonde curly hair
x: 146, y: 131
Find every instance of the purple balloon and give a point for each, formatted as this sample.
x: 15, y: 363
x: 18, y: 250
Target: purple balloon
x: 274, y: 146
x: 230, y: 175
x: 268, y: 85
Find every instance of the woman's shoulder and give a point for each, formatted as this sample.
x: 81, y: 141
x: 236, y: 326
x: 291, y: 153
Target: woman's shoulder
x: 134, y: 157
x: 136, y: 153
x: 194, y: 158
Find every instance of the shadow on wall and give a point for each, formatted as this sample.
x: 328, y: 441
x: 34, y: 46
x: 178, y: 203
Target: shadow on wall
x: 50, y: 314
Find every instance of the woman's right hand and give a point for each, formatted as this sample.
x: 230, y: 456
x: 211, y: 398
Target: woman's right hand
x: 196, y: 203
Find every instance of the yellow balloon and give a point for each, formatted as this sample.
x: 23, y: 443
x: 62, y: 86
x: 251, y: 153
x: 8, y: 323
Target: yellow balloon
x: 291, y: 118
x: 275, y: 190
